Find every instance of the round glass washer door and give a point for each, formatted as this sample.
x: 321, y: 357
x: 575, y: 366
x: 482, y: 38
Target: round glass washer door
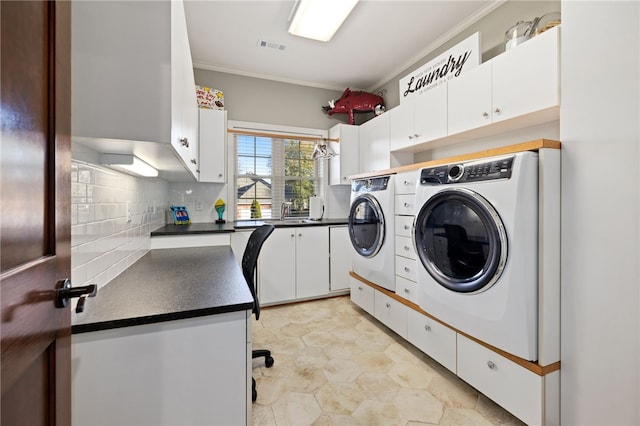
x: 366, y: 225
x: 461, y: 240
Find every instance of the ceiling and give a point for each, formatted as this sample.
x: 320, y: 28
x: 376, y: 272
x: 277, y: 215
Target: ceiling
x: 379, y: 39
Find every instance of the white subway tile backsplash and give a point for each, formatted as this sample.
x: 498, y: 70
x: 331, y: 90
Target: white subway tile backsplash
x: 103, y: 243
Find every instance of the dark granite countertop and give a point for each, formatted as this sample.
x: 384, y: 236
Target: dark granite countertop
x: 288, y: 223
x: 193, y: 228
x: 165, y: 285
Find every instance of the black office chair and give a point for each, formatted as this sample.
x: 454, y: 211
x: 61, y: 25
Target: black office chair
x: 249, y: 263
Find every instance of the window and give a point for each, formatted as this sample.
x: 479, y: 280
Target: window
x: 273, y: 169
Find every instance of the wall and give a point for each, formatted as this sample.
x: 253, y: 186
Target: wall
x: 103, y: 242
x: 600, y: 375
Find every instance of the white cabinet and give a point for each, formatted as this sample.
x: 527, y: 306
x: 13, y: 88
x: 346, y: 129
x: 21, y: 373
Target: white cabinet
x: 340, y: 257
x: 432, y: 338
x: 362, y: 295
x: 391, y: 313
x: 239, y: 240
x: 344, y: 164
x: 515, y: 388
x: 132, y: 81
x: 294, y: 264
x: 420, y: 118
x: 189, y: 371
x: 374, y: 145
x: 518, y: 82
x: 212, y: 144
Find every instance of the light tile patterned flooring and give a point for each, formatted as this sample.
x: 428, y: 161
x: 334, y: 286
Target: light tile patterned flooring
x: 337, y: 365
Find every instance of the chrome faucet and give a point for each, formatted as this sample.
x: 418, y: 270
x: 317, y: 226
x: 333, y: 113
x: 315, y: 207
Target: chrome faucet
x: 285, y: 210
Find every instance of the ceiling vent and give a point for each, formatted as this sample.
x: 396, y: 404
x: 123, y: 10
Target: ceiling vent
x: 270, y: 45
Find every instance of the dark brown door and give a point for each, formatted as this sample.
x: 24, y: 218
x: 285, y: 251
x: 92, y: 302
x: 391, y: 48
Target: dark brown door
x: 35, y: 209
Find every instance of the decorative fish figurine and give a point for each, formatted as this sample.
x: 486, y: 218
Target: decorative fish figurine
x: 355, y: 101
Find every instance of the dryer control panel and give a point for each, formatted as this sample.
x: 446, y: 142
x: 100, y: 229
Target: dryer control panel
x: 370, y: 184
x: 472, y: 171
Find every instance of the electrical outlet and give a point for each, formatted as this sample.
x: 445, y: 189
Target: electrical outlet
x: 198, y: 205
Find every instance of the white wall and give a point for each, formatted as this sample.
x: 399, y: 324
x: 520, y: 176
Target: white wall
x: 600, y: 114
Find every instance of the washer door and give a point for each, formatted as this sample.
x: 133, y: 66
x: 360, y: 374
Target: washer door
x: 461, y: 240
x: 366, y: 225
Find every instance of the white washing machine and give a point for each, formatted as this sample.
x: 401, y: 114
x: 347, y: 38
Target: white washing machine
x: 371, y: 229
x: 476, y: 235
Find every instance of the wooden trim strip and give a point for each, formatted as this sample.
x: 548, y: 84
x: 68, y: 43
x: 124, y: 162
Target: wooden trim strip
x: 534, y: 145
x: 282, y: 136
x: 538, y: 369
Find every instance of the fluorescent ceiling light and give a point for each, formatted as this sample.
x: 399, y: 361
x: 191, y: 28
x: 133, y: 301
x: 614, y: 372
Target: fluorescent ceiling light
x: 128, y: 163
x: 320, y: 19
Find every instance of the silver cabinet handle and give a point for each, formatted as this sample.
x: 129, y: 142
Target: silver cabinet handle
x: 497, y: 110
x: 485, y: 114
x: 416, y: 135
x: 293, y: 235
x: 427, y: 327
x: 406, y: 183
x: 492, y: 365
x: 184, y: 142
x: 407, y: 227
x: 407, y: 269
x: 406, y: 290
x: 406, y: 248
x: 360, y: 287
x: 407, y: 204
x: 388, y: 305
x: 219, y: 174
x: 193, y: 160
x: 300, y: 235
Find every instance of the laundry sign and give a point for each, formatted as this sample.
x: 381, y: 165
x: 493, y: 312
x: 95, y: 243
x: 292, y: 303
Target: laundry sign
x: 463, y: 56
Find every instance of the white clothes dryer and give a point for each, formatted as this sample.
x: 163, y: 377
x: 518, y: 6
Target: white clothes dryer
x: 371, y: 228
x: 476, y: 235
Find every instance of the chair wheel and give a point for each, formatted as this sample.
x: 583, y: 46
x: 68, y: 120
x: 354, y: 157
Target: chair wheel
x: 268, y: 361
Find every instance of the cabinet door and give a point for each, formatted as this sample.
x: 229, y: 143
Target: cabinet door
x: 312, y: 265
x: 430, y: 114
x: 213, y: 146
x: 340, y: 253
x: 433, y: 338
x: 184, y: 107
x: 526, y: 78
x: 374, y: 144
x: 401, y: 125
x: 346, y: 163
x: 362, y: 295
x: 391, y: 313
x: 469, y: 99
x: 276, y: 270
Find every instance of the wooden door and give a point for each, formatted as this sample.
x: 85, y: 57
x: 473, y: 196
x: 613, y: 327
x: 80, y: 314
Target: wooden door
x: 35, y: 207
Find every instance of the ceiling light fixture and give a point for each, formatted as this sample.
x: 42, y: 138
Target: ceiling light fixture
x: 319, y: 19
x: 128, y: 163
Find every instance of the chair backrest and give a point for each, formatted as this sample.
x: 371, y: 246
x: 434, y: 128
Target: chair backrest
x: 250, y: 261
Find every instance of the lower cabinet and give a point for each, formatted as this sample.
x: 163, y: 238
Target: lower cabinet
x: 294, y: 264
x: 187, y: 372
x: 531, y: 394
x: 340, y: 257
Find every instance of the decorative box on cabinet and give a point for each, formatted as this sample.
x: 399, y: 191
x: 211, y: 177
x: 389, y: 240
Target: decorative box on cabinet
x: 294, y: 264
x: 344, y: 164
x: 213, y: 145
x: 521, y: 81
x: 124, y: 102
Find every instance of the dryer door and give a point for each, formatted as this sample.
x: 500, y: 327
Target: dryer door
x: 366, y: 225
x: 461, y: 240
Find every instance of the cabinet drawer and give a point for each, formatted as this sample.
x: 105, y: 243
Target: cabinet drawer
x: 407, y: 289
x: 513, y: 387
x: 432, y: 338
x: 406, y: 204
x: 404, y: 247
x: 362, y: 295
x: 404, y: 225
x: 391, y: 313
x: 405, y: 183
x: 407, y: 268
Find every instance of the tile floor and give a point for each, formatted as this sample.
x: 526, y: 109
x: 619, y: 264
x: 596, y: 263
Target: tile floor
x: 337, y: 365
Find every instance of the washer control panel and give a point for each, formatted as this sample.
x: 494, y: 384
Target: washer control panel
x: 370, y: 184
x: 472, y: 171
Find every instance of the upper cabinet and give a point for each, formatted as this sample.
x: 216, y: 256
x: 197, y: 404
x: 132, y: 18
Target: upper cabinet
x: 524, y: 80
x: 374, y: 144
x: 212, y: 143
x: 344, y: 164
x: 132, y: 81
